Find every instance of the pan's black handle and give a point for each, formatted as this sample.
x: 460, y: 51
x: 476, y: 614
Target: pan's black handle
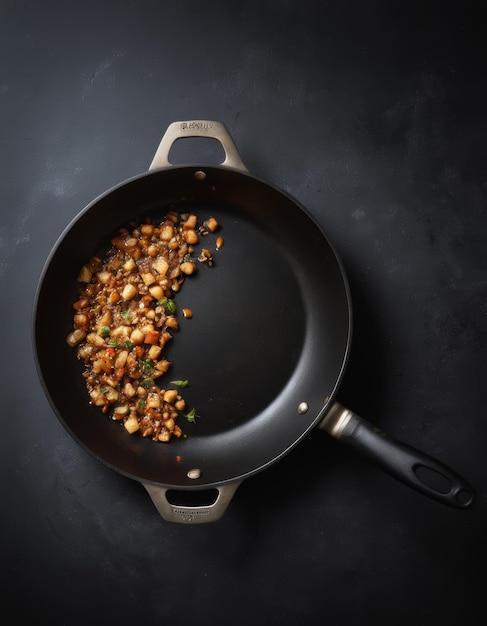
x: 198, y: 128
x: 412, y: 467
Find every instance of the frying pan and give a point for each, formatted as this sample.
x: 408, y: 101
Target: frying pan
x: 265, y: 351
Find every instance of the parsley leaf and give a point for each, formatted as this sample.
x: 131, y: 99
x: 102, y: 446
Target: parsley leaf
x: 180, y: 383
x: 191, y: 416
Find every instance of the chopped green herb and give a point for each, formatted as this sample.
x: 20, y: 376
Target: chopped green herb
x: 103, y: 388
x: 141, y: 403
x: 146, y: 365
x: 113, y: 344
x: 191, y: 416
x: 147, y: 382
x: 104, y: 330
x: 128, y: 344
x: 169, y: 304
x: 125, y: 314
x: 180, y: 383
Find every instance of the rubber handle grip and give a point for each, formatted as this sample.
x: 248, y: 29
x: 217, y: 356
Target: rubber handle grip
x: 408, y: 465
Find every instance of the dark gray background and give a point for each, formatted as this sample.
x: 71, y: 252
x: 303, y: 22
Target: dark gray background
x: 373, y: 116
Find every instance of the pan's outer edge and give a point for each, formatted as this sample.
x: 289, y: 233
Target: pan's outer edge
x: 189, y: 169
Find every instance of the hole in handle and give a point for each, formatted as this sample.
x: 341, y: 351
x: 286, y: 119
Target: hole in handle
x: 197, y: 497
x: 187, y: 150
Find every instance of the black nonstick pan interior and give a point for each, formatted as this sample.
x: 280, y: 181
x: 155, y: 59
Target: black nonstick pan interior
x: 266, y: 347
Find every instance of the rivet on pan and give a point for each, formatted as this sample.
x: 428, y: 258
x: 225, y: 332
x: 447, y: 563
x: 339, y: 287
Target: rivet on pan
x: 302, y: 408
x: 194, y: 473
x: 199, y: 175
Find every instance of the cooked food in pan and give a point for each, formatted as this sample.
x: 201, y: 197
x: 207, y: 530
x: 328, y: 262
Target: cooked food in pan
x: 125, y: 315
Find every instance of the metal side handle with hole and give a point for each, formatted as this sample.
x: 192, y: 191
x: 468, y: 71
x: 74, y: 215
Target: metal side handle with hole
x: 198, y: 128
x: 187, y: 513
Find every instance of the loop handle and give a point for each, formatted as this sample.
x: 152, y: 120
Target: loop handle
x: 198, y: 128
x: 200, y: 514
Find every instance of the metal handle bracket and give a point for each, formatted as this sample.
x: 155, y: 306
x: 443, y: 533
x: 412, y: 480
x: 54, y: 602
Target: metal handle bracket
x: 183, y: 514
x: 198, y: 128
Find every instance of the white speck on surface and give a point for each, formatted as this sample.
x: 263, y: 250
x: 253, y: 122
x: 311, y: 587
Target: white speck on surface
x: 23, y: 239
x: 102, y: 74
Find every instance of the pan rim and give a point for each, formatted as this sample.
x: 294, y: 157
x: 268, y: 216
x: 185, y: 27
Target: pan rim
x: 192, y: 168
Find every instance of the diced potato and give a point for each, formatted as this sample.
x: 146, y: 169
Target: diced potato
x: 104, y: 277
x: 188, y: 267
x: 141, y: 391
x: 121, y: 358
x: 190, y: 222
x: 106, y: 319
x: 167, y: 232
x: 120, y: 332
x: 157, y: 292
x: 148, y: 278
x: 109, y: 380
x: 191, y: 237
x: 129, y: 390
x: 153, y: 401
x: 95, y: 339
x: 172, y: 322
x: 85, y: 275
x: 85, y: 351
x: 75, y: 337
x: 163, y: 365
x: 165, y: 337
x: 112, y: 395
x: 137, y: 337
x: 147, y: 229
x: 113, y: 297
x: 211, y: 224
x: 120, y: 412
x: 80, y: 320
x: 169, y: 424
x: 97, y: 397
x: 81, y: 304
x: 153, y: 250
x: 131, y: 424
x: 129, y: 291
x: 129, y: 265
x: 180, y: 405
x: 154, y: 352
x: 97, y: 366
x: 160, y: 265
x: 170, y: 395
